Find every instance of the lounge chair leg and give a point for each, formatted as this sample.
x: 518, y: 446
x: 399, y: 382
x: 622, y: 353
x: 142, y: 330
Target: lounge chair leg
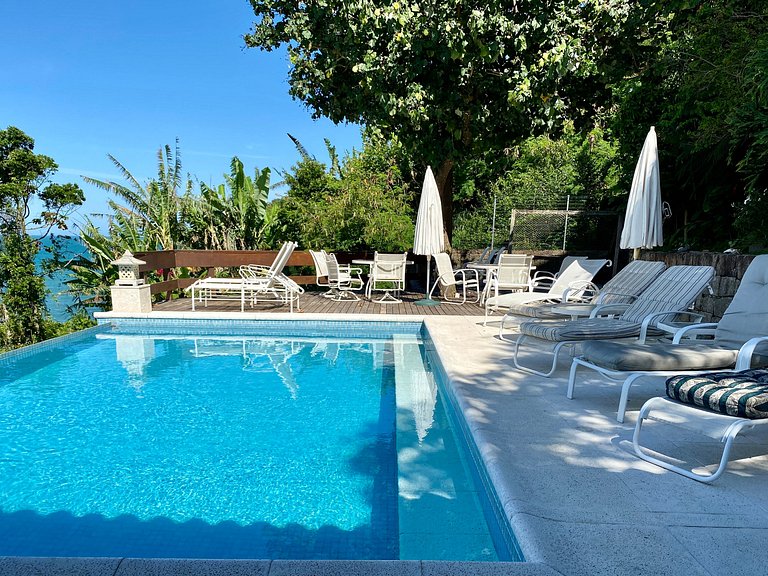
x: 572, y: 378
x: 624, y: 398
x: 552, y: 368
x: 727, y: 439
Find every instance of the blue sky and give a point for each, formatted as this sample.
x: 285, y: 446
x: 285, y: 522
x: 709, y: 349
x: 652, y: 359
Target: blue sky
x: 87, y: 79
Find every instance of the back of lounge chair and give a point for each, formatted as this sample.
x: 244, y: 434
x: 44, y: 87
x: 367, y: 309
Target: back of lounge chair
x: 573, y: 284
x: 623, y: 288
x: 544, y: 279
x: 671, y: 293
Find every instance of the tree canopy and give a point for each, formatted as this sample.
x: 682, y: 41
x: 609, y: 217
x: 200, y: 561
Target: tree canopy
x: 455, y: 78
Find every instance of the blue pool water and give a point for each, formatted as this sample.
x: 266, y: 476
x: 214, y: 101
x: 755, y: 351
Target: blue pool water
x: 206, y: 445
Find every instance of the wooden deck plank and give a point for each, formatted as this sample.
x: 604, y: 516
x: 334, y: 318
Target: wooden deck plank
x: 314, y: 302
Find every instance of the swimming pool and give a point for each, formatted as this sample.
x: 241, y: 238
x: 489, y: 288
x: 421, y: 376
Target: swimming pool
x: 236, y: 440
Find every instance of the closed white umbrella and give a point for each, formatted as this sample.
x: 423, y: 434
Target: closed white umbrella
x: 428, y: 236
x: 642, y: 223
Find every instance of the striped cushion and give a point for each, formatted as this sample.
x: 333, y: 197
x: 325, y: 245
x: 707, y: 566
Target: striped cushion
x: 583, y: 329
x: 631, y: 281
x: 743, y: 394
x: 534, y: 310
x: 675, y: 289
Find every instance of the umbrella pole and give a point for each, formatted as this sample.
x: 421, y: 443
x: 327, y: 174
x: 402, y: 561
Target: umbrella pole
x: 427, y: 301
x: 636, y: 254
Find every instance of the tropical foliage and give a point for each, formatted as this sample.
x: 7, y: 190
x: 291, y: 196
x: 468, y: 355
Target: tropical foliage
x: 359, y: 203
x: 24, y: 183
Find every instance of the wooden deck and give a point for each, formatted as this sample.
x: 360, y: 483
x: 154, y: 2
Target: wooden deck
x: 314, y: 302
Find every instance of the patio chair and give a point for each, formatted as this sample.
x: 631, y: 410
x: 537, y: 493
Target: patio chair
x: 343, y: 280
x: 513, y: 274
x: 321, y: 271
x: 671, y: 294
x: 729, y: 346
x: 623, y: 288
x: 574, y: 284
x: 484, y: 258
x: 718, y: 405
x: 387, y: 275
x: 543, y: 280
x: 452, y: 281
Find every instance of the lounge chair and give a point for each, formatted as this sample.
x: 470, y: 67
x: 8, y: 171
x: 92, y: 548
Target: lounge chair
x: 452, y: 282
x: 623, y: 288
x: 544, y: 280
x: 671, y: 294
x: 513, y: 274
x: 718, y: 405
x: 574, y: 284
x: 343, y: 280
x: 255, y: 282
x: 745, y: 318
x: 387, y: 275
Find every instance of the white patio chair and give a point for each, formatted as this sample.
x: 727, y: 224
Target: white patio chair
x: 452, y: 281
x: 387, y: 275
x: 321, y: 271
x: 343, y: 279
x: 513, y: 274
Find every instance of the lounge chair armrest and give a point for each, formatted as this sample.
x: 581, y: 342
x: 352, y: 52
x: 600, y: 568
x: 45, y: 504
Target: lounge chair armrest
x: 542, y: 284
x: 579, y: 291
x: 744, y: 359
x: 694, y: 330
x: 543, y: 274
x: 650, y: 321
x: 609, y: 310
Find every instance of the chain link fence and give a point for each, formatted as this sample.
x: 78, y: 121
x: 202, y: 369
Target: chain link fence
x: 568, y: 229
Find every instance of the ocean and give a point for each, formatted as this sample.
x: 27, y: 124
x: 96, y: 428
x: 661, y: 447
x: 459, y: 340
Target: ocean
x: 56, y: 300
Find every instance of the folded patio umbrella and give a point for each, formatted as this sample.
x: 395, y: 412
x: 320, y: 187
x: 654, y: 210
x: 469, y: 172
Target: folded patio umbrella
x: 642, y: 223
x: 428, y: 236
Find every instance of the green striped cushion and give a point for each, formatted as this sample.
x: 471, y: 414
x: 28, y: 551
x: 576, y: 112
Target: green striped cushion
x: 582, y: 329
x: 743, y: 394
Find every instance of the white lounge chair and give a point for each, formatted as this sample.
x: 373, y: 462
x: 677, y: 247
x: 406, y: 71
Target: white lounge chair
x: 672, y: 293
x: 728, y: 347
x: 343, y: 279
x: 574, y: 284
x: 718, y: 405
x: 543, y: 280
x: 387, y: 275
x: 452, y: 282
x: 255, y: 282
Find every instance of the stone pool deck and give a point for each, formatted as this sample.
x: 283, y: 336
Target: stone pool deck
x: 579, y: 501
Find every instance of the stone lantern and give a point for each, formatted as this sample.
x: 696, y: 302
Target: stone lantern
x: 130, y: 293
x: 128, y: 270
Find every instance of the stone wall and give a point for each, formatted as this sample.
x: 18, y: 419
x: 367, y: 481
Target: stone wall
x: 729, y: 270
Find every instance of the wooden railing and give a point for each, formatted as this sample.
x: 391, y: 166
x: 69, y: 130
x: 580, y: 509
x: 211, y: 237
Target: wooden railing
x: 165, y: 262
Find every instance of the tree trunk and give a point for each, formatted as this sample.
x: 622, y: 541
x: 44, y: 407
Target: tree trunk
x: 444, y: 179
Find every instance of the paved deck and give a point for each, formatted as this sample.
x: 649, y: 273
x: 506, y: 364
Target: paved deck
x: 579, y: 501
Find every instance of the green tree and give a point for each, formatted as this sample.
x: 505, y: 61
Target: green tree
x: 702, y: 90
x: 455, y: 79
x: 359, y: 203
x: 24, y: 186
